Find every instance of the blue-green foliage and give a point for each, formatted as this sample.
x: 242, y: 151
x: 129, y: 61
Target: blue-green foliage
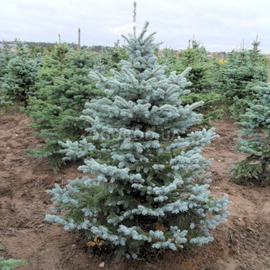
x: 19, y: 81
x: 255, y: 143
x: 151, y: 193
x: 5, y: 56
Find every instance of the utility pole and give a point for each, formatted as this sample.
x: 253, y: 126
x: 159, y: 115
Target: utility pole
x: 59, y: 39
x: 79, y: 40
x: 134, y: 19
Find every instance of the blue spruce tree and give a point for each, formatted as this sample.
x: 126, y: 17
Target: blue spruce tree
x: 19, y: 82
x: 5, y: 56
x: 152, y: 191
x: 255, y: 143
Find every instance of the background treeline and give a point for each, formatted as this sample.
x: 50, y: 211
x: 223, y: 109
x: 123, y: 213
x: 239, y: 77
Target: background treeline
x: 42, y: 46
x: 97, y: 48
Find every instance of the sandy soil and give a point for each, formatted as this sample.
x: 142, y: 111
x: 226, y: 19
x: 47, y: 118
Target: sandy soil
x: 241, y: 243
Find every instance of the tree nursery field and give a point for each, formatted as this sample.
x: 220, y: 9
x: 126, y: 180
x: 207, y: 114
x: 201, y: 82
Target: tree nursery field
x: 243, y: 242
x: 134, y: 157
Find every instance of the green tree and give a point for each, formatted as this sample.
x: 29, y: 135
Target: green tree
x: 10, y: 263
x: 196, y: 58
x: 5, y: 56
x: 200, y: 75
x: 53, y: 64
x: 109, y: 58
x: 35, y: 49
x: 55, y: 110
x: 241, y: 72
x: 168, y: 57
x: 255, y: 143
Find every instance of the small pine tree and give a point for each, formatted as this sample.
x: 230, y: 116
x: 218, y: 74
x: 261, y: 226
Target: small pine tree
x: 54, y: 62
x: 11, y: 263
x: 109, y: 58
x: 196, y: 58
x: 20, y: 80
x: 152, y: 193
x: 202, y: 68
x: 168, y: 57
x: 35, y: 49
x: 255, y: 143
x: 5, y: 56
x: 241, y: 72
x: 56, y: 108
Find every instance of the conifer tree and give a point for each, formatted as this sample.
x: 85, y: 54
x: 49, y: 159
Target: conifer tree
x: 152, y: 192
x: 54, y: 62
x: 10, y: 263
x: 242, y: 71
x: 168, y: 57
x: 5, y: 56
x: 55, y: 110
x: 109, y: 58
x: 35, y: 49
x: 201, y: 89
x: 255, y: 143
x: 20, y: 80
x: 196, y: 57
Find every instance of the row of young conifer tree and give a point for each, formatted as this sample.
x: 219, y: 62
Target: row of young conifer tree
x: 44, y: 83
x: 127, y: 113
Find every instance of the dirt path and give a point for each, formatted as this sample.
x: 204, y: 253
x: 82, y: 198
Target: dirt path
x: 241, y: 243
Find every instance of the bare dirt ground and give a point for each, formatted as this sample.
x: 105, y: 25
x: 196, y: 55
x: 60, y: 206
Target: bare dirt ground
x: 241, y: 243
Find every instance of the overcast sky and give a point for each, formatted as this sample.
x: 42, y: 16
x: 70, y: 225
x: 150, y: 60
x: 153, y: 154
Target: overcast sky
x: 220, y: 25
